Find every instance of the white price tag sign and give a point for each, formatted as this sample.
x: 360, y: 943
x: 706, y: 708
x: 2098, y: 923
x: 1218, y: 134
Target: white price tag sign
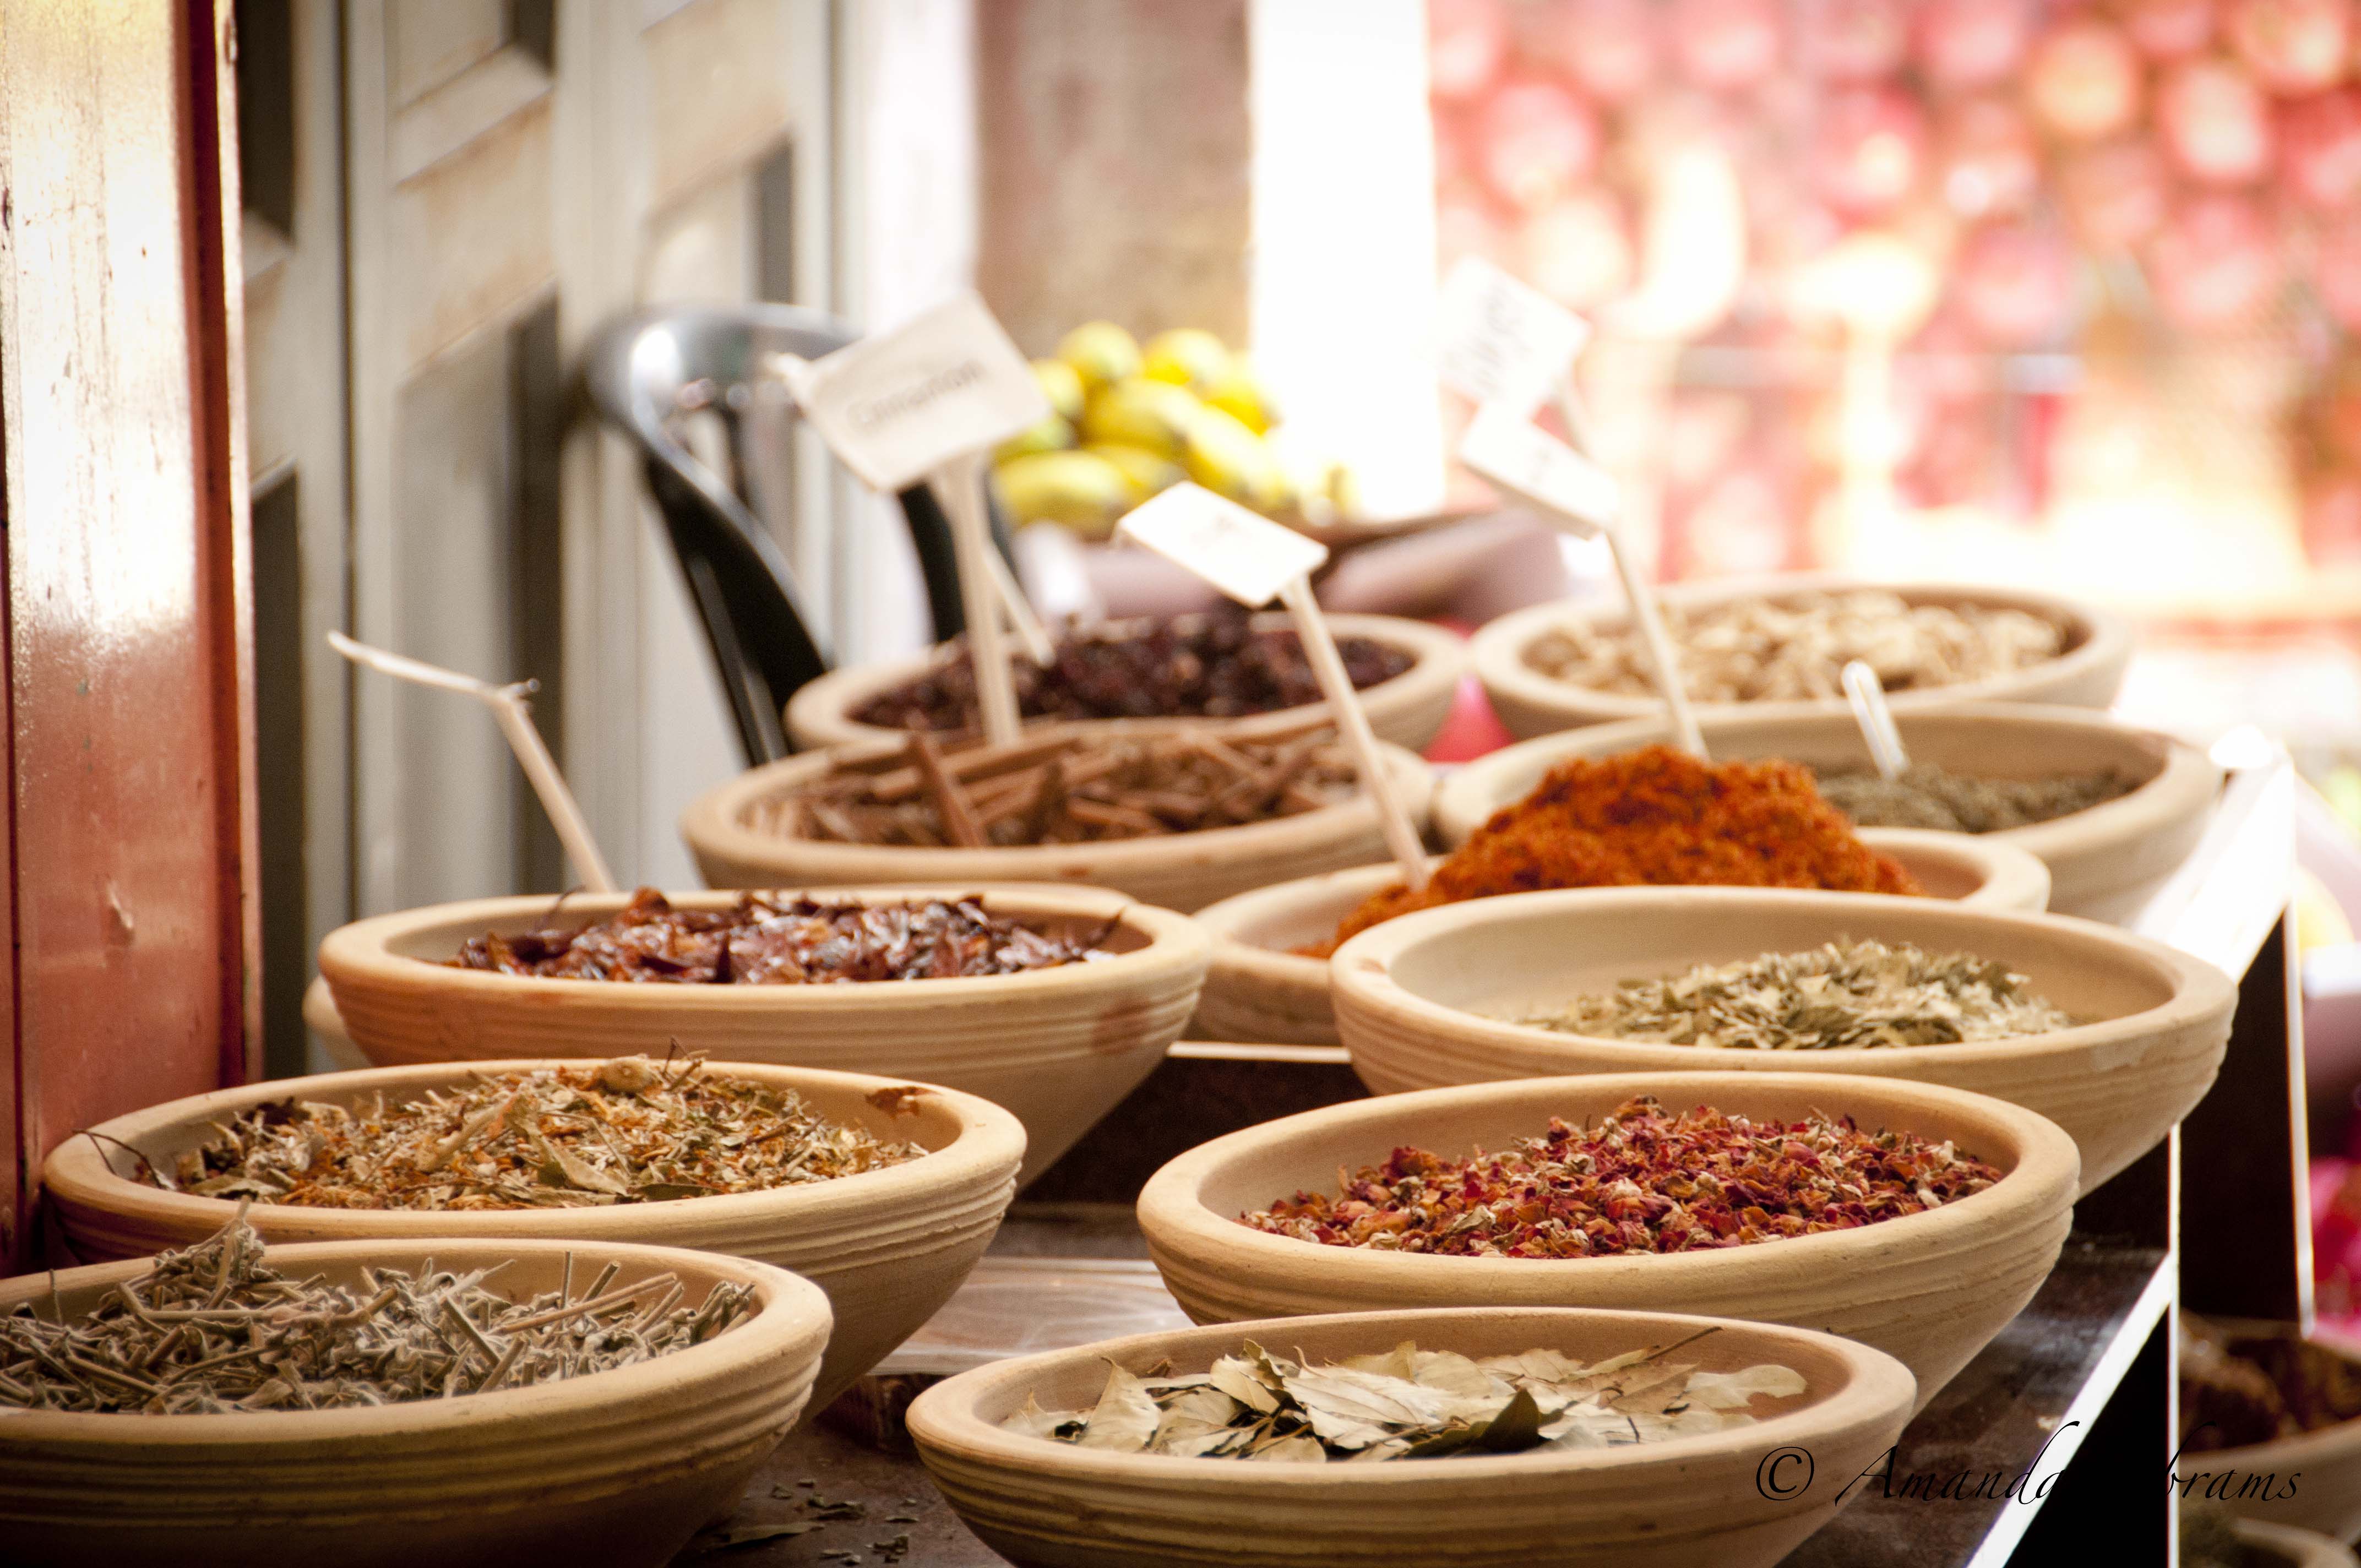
x: 1509, y: 450
x: 1504, y: 341
x: 899, y: 405
x: 1244, y: 553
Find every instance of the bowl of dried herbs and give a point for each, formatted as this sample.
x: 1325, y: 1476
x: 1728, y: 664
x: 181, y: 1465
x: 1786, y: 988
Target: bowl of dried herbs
x: 883, y: 1192
x: 2113, y: 1037
x: 1053, y: 1001
x: 2111, y: 810
x: 474, y: 1403
x: 1912, y: 1217
x: 1507, y: 1436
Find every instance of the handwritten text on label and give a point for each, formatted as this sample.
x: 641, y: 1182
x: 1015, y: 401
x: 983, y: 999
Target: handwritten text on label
x: 1246, y: 555
x: 1502, y: 341
x: 1508, y: 449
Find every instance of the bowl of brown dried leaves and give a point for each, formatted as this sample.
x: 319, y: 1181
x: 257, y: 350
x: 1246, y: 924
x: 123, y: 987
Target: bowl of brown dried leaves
x: 881, y: 1191
x: 1490, y: 1437
x: 1053, y: 1001
x: 2113, y: 1037
x: 472, y: 1403
x: 1912, y: 1218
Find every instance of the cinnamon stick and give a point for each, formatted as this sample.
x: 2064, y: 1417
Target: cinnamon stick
x: 950, y: 805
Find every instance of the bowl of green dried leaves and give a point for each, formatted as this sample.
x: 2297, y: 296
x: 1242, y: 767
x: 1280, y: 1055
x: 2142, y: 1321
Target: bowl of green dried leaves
x: 1503, y: 1435
x: 2111, y: 1035
x: 883, y: 1192
x: 477, y: 1404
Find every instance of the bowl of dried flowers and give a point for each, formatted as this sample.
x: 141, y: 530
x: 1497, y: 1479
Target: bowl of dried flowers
x: 389, y: 1403
x: 2111, y: 810
x: 1784, y: 639
x: 2113, y: 1037
x: 1224, y: 665
x: 1616, y: 1191
x: 1178, y: 815
x: 2262, y: 1406
x: 1506, y: 1437
x: 1651, y: 815
x: 1053, y: 1001
x: 882, y: 1192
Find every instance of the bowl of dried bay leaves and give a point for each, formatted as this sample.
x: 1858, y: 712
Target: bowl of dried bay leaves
x: 1503, y: 1436
x: 881, y: 1191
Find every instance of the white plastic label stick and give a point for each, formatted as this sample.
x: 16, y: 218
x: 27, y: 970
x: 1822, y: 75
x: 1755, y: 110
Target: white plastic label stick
x: 1866, y: 693
x: 1336, y: 683
x: 1021, y: 618
x: 958, y: 484
x: 1504, y: 341
x: 514, y: 715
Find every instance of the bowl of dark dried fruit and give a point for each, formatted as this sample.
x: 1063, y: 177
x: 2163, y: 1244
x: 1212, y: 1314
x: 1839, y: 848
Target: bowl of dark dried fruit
x: 2270, y: 1424
x: 1785, y: 638
x: 1223, y: 665
x: 2113, y: 1037
x: 1178, y: 815
x: 882, y: 1192
x: 2110, y: 809
x: 387, y: 1403
x: 1914, y: 1218
x: 1053, y: 1001
x: 1494, y: 1437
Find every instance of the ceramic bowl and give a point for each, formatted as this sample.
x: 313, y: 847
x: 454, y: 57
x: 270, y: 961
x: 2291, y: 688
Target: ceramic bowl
x: 1179, y: 871
x: 1057, y: 1047
x: 1260, y: 988
x: 1930, y: 1290
x: 1419, y: 1000
x: 2103, y: 863
x: 889, y: 1246
x: 1530, y: 703
x: 1045, y: 1504
x: 1408, y: 710
x: 2284, y: 1547
x: 2328, y: 1498
x: 614, y: 1467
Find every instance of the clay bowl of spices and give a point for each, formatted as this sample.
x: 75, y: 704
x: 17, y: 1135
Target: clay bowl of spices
x: 882, y: 1192
x: 1224, y: 664
x: 1175, y: 815
x: 520, y: 1463
x: 2113, y: 1037
x: 1670, y: 1500
x: 2110, y: 809
x: 1227, y: 1223
x: 1054, y: 1036
x: 1651, y: 816
x: 1784, y: 639
x: 2259, y: 1399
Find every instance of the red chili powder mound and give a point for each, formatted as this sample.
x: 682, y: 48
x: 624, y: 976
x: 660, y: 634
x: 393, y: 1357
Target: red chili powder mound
x: 1655, y: 816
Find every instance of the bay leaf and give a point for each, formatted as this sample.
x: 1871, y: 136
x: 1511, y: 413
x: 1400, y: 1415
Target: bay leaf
x: 1734, y: 1391
x: 1126, y: 1417
x: 1035, y: 1422
x: 1233, y: 1376
x: 1295, y: 1449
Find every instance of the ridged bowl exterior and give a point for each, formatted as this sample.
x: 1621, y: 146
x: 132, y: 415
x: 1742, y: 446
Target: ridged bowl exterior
x: 888, y: 1246
x: 1057, y: 1047
x: 1674, y: 1505
x: 2159, y: 1019
x: 1408, y: 710
x: 1930, y: 1290
x: 618, y: 1467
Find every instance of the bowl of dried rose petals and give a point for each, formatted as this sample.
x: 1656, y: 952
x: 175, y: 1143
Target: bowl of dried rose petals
x: 1503, y: 1437
x: 1784, y: 639
x: 2113, y: 1037
x: 381, y: 1404
x: 882, y: 1192
x: 1053, y: 1001
x: 1914, y: 1218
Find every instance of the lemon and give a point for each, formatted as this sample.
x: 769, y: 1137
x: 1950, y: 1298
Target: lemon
x: 1100, y: 354
x: 1149, y: 473
x: 1152, y: 415
x: 1052, y: 435
x: 1079, y: 490
x: 1061, y: 385
x: 1231, y: 460
x: 1186, y: 356
x: 1239, y: 395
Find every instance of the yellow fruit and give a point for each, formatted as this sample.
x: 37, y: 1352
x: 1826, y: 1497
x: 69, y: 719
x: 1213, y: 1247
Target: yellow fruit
x: 1079, y: 490
x: 1240, y: 396
x: 1227, y: 458
x: 1152, y: 415
x: 1344, y: 491
x: 1149, y: 473
x: 1061, y: 385
x: 1052, y: 435
x: 1186, y: 356
x: 1100, y: 354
